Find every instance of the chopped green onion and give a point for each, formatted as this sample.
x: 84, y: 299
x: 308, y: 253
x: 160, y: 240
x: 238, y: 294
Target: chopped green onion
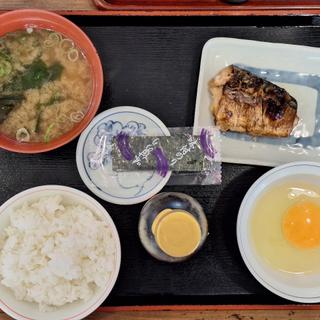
x: 22, y: 135
x: 53, y: 39
x: 47, y: 134
x: 66, y: 44
x: 73, y: 55
x: 5, y: 68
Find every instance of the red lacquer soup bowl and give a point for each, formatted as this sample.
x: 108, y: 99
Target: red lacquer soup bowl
x: 23, y: 19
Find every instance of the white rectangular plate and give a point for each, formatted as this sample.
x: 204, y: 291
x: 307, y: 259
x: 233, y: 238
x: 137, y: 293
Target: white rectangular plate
x: 295, y: 68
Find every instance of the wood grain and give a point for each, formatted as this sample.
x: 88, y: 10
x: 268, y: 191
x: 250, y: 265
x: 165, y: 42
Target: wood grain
x: 150, y: 8
x: 202, y: 315
x: 215, y: 5
x: 209, y: 315
x: 48, y: 4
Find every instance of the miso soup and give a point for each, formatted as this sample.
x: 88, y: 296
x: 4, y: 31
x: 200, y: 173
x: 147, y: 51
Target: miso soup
x: 45, y: 85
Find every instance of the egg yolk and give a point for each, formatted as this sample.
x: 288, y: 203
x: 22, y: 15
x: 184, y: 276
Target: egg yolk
x: 301, y: 225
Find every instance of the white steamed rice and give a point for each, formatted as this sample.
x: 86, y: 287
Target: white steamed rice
x: 53, y: 253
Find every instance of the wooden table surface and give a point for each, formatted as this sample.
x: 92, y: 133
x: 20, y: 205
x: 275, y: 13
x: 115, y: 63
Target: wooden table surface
x: 213, y: 7
x: 68, y: 5
x: 131, y: 52
x: 235, y: 313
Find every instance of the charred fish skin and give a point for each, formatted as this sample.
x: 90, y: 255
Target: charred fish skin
x: 244, y: 102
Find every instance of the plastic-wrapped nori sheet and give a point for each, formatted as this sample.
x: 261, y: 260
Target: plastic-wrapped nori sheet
x: 182, y: 153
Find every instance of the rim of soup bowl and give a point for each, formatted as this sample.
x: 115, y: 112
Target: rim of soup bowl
x: 24, y: 18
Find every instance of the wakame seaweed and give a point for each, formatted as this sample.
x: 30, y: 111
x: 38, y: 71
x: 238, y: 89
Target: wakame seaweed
x: 35, y: 75
x: 7, y: 103
x: 5, y: 54
x: 40, y: 107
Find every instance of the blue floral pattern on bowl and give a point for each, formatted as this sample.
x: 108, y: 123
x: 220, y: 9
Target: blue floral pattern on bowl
x: 94, y: 158
x: 103, y: 140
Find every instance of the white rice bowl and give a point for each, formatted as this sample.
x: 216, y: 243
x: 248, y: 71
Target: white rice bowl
x: 70, y: 240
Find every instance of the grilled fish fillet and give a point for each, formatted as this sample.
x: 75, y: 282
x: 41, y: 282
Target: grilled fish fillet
x: 243, y: 102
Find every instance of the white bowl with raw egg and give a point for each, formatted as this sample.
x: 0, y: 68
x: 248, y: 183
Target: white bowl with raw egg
x: 278, y: 231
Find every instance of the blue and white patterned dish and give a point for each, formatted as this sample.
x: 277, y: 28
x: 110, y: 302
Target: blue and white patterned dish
x: 94, y: 156
x: 295, y: 68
